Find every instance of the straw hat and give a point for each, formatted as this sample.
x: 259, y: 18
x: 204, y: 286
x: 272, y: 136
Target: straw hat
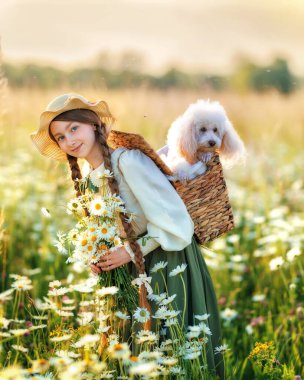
x: 62, y: 103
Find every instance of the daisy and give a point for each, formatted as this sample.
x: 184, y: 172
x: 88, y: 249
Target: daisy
x: 54, y: 284
x: 178, y: 270
x: 146, y: 336
x: 143, y: 368
x: 61, y: 338
x: 37, y: 327
x: 58, y: 291
x: 171, y: 322
x: 167, y: 300
x: 276, y: 263
x: 19, y: 348
x: 97, y: 206
x: 117, y: 241
x: 64, y: 313
x: 158, y: 266
x: 75, y: 207
x: 106, y: 291
x: 161, y: 313
x: 119, y: 351
x: 106, y: 232
x: 204, y: 328
x: 45, y: 212
x: 229, y: 314
x: 22, y: 285
x: 292, y: 253
x: 122, y: 315
x: 221, y: 349
x: 202, y: 317
x: 103, y: 329
x: 157, y: 298
x: 87, y: 340
x: 141, y: 314
x: 19, y: 332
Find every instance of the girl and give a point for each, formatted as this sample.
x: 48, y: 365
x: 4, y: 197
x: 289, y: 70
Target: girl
x: 71, y: 127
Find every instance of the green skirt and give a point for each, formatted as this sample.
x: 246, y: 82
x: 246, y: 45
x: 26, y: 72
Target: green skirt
x: 200, y: 294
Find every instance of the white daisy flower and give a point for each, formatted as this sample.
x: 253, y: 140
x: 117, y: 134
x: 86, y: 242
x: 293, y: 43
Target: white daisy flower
x: 97, y: 206
x: 19, y: 332
x: 146, y: 336
x: 276, y: 263
x: 221, y: 349
x: 157, y: 298
x: 45, y: 212
x: 158, y: 266
x: 258, y: 297
x: 143, y: 280
x: 58, y: 291
x: 178, y: 270
x: 106, y: 232
x: 202, y: 317
x: 103, y: 329
x: 74, y: 207
x: 204, y: 328
x: 171, y: 322
x: 106, y: 291
x: 54, y: 284
x: 87, y: 341
x: 117, y: 241
x: 173, y: 313
x: 167, y: 301
x: 19, y: 348
x: 121, y: 315
x: 229, y: 314
x: 192, y: 334
x: 141, y: 314
x: 293, y: 253
x: 119, y: 351
x: 64, y: 313
x: 161, y: 313
x: 143, y: 368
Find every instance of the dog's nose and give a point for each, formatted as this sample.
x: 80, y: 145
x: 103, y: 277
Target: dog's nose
x: 211, y: 142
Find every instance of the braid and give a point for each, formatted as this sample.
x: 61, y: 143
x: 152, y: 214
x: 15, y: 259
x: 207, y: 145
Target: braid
x: 76, y: 173
x: 101, y: 135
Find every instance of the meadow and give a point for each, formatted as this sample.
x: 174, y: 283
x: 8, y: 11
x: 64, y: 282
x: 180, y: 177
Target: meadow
x: 257, y: 268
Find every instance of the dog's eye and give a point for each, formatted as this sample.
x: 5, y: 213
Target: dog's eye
x: 203, y: 129
x: 214, y: 129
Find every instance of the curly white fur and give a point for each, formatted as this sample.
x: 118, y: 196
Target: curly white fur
x: 194, y: 136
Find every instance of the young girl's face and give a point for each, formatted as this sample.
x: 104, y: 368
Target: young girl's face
x: 74, y: 138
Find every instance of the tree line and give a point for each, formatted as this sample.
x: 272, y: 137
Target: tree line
x: 247, y: 76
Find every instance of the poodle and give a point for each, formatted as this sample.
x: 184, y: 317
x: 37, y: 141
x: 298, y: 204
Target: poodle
x: 194, y: 136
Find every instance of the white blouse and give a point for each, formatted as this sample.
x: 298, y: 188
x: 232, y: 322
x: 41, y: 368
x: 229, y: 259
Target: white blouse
x: 149, y: 196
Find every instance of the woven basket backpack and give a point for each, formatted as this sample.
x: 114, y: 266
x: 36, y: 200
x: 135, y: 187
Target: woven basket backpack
x: 206, y: 196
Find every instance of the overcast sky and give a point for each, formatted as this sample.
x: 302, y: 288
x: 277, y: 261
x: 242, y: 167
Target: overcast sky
x: 208, y: 34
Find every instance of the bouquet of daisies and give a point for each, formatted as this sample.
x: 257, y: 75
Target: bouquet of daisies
x: 96, y: 233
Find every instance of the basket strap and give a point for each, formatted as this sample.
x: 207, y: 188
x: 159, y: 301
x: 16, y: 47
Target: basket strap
x: 118, y: 139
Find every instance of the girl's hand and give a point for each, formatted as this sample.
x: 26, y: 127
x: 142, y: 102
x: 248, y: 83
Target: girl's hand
x: 112, y: 260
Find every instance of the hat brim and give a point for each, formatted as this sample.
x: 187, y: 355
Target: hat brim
x: 49, y: 147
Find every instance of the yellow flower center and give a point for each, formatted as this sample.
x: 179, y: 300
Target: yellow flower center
x: 98, y: 206
x: 104, y: 230
x: 84, y: 242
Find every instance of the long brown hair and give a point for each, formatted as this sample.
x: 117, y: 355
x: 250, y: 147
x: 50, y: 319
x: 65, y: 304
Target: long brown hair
x: 90, y: 117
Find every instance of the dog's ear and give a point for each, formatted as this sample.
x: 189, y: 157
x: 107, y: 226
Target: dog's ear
x: 187, y: 142
x: 232, y: 149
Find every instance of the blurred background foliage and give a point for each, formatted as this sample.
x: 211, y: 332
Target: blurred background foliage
x: 128, y: 71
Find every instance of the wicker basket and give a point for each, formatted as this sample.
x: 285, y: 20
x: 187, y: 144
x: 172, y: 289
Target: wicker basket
x: 205, y: 197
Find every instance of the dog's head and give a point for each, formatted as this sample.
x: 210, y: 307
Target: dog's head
x: 205, y: 127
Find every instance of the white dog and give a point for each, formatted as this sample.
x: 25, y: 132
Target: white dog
x: 195, y: 135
